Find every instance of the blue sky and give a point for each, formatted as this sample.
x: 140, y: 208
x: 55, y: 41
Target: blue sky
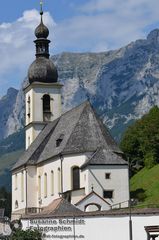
x: 75, y: 25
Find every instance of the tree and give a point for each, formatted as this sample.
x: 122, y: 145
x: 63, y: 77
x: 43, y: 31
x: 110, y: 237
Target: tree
x: 26, y: 235
x: 140, y: 142
x: 5, y: 201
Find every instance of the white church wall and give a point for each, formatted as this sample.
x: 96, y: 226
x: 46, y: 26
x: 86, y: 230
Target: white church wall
x: 53, y: 165
x: 32, y: 186
x: 18, y: 201
x: 118, y: 182
x: 77, y: 195
x: 95, y: 227
x: 47, y: 168
x: 29, y: 136
x: 55, y: 94
x: 68, y: 163
x: 93, y: 199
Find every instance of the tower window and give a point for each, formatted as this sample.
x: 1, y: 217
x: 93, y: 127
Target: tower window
x: 46, y: 107
x: 28, y: 102
x: 46, y: 103
x: 75, y: 178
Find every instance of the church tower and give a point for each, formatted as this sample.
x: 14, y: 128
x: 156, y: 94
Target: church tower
x: 43, y: 93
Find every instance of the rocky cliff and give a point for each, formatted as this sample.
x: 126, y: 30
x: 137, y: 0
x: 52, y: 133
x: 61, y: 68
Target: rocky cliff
x: 122, y: 85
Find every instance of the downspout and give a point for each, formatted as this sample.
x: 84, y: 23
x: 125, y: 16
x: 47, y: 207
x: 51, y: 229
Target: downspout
x: 26, y: 183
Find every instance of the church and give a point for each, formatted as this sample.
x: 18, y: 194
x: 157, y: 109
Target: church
x: 68, y: 155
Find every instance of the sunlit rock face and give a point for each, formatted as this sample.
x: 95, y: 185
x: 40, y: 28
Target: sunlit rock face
x: 122, y: 85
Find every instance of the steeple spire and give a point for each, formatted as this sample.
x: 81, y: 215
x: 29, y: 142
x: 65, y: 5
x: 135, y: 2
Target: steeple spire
x: 41, y: 6
x: 41, y: 33
x: 42, y: 69
x: 41, y: 10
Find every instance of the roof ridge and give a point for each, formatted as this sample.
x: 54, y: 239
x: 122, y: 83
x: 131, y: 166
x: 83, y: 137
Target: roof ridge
x: 76, y: 107
x: 89, y: 194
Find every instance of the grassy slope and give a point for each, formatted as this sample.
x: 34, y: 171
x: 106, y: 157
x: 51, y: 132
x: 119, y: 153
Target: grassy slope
x: 146, y: 185
x: 6, y: 163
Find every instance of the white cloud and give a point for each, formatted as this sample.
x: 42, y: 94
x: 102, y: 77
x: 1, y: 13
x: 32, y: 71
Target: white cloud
x: 110, y: 24
x: 98, y: 26
x: 17, y: 48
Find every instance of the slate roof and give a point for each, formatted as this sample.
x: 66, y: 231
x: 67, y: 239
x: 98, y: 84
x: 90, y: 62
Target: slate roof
x: 104, y: 157
x: 83, y: 132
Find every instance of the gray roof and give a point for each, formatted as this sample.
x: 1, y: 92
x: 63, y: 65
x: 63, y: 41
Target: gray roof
x: 114, y: 212
x: 59, y: 207
x: 105, y: 157
x: 82, y: 131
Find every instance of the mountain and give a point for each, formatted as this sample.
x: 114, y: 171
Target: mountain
x: 7, y: 104
x: 122, y: 84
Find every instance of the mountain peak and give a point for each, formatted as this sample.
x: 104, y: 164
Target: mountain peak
x: 12, y: 91
x: 153, y: 36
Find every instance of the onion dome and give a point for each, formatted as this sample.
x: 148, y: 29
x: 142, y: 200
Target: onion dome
x: 41, y: 31
x: 42, y: 69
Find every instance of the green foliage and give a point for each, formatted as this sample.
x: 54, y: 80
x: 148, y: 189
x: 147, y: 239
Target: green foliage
x: 5, y: 201
x: 26, y: 235
x: 145, y: 186
x: 141, y: 140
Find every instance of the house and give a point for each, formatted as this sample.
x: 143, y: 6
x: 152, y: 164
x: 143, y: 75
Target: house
x: 66, y: 153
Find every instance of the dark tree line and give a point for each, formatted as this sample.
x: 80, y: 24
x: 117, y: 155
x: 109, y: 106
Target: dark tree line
x: 141, y: 141
x: 5, y: 201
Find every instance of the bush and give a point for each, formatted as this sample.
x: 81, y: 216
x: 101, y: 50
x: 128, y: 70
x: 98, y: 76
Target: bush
x: 26, y: 235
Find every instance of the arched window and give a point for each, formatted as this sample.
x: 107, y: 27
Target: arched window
x: 22, y: 186
x: 92, y: 207
x: 75, y: 178
x: 16, y: 204
x: 46, y: 107
x: 52, y: 183
x: 28, y: 110
x: 39, y: 187
x: 46, y: 103
x: 59, y: 180
x: 45, y: 185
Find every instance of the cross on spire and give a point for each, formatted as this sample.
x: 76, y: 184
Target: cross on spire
x: 41, y: 6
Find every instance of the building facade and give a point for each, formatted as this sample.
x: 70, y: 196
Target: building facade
x: 70, y: 154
